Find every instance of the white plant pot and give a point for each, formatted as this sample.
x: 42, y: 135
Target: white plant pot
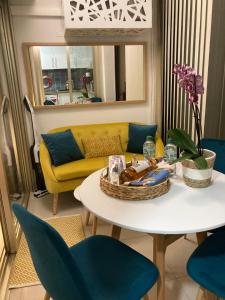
x: 195, y: 177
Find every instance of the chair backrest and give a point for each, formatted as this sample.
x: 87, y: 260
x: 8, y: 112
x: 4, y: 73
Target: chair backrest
x: 218, y: 146
x: 54, y: 264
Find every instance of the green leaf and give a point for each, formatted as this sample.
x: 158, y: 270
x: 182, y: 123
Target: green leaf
x: 185, y: 155
x: 200, y: 162
x: 182, y: 140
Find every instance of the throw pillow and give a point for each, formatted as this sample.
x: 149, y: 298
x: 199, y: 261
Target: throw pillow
x: 102, y: 146
x: 62, y: 147
x: 137, y: 136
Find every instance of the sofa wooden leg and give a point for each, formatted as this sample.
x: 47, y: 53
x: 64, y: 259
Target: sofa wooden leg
x: 55, y: 203
x: 87, y: 217
x: 94, y: 225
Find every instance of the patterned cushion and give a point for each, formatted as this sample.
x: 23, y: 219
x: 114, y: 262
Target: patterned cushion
x: 102, y: 146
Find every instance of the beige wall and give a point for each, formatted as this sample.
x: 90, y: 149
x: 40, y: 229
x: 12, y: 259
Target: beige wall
x: 42, y: 21
x: 134, y: 72
x: 215, y: 106
x: 105, y: 72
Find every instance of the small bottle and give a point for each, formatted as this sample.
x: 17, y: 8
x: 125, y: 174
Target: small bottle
x: 149, y: 148
x: 134, y: 160
x: 114, y: 175
x: 170, y: 154
x: 135, y: 172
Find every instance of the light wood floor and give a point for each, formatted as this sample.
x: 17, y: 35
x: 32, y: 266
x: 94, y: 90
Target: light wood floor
x: 178, y: 285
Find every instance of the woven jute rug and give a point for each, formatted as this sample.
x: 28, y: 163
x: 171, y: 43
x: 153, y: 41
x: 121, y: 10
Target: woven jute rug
x: 23, y: 272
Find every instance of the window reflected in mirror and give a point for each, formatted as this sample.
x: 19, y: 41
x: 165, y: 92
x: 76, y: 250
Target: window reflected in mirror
x: 87, y: 74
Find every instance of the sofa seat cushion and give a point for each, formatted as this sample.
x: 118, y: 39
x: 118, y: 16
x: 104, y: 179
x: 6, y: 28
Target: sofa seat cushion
x: 84, y: 167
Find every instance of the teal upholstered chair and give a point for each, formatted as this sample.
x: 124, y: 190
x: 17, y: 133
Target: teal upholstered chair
x: 207, y: 264
x: 218, y: 146
x: 97, y: 268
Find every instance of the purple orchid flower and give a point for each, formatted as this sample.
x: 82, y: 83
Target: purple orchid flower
x: 192, y: 83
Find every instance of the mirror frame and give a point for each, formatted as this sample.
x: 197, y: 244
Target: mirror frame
x: 30, y: 84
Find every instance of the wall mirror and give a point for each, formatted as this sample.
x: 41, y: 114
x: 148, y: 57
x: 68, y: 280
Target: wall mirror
x: 85, y: 74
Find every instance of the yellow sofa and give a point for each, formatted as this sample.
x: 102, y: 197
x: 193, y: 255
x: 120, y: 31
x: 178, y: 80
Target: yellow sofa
x: 70, y: 175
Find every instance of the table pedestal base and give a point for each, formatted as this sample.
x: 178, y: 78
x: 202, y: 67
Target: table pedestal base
x: 95, y: 222
x: 116, y: 230
x: 160, y: 244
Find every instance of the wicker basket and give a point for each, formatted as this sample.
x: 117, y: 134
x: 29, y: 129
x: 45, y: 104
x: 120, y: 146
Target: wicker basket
x: 133, y: 193
x: 195, y: 177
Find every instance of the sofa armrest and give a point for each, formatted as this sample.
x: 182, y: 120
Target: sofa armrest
x: 46, y: 163
x: 159, y: 145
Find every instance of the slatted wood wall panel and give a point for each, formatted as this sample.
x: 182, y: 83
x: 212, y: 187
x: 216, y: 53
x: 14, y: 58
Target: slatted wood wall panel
x: 186, y: 34
x: 215, y: 106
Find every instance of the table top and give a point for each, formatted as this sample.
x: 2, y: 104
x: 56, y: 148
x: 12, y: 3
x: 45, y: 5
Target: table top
x: 182, y: 210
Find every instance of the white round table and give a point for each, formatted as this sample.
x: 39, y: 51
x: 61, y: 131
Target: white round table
x: 182, y: 210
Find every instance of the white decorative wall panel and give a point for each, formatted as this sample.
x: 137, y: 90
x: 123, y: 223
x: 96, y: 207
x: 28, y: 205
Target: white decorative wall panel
x: 108, y: 14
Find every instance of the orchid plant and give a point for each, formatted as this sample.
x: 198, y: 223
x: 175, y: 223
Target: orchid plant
x: 85, y: 79
x: 192, y: 83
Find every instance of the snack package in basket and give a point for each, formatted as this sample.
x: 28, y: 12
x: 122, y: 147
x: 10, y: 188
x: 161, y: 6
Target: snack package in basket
x: 152, y: 178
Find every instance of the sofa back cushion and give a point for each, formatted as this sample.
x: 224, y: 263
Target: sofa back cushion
x: 62, y: 147
x: 137, y: 136
x: 102, y: 146
x: 98, y: 130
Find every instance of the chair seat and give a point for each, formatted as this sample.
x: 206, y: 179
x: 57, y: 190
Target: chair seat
x: 207, y: 264
x: 112, y: 270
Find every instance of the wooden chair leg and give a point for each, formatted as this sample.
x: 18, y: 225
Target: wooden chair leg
x: 146, y: 297
x: 210, y: 296
x: 94, y: 225
x: 200, y: 295
x: 47, y: 297
x: 55, y: 203
x: 87, y: 217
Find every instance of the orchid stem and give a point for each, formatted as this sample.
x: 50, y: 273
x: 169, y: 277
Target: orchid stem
x: 198, y: 127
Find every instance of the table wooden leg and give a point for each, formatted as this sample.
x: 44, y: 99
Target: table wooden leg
x: 94, y: 225
x: 201, y: 236
x: 159, y: 259
x: 116, y: 230
x: 146, y: 297
x: 87, y: 218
